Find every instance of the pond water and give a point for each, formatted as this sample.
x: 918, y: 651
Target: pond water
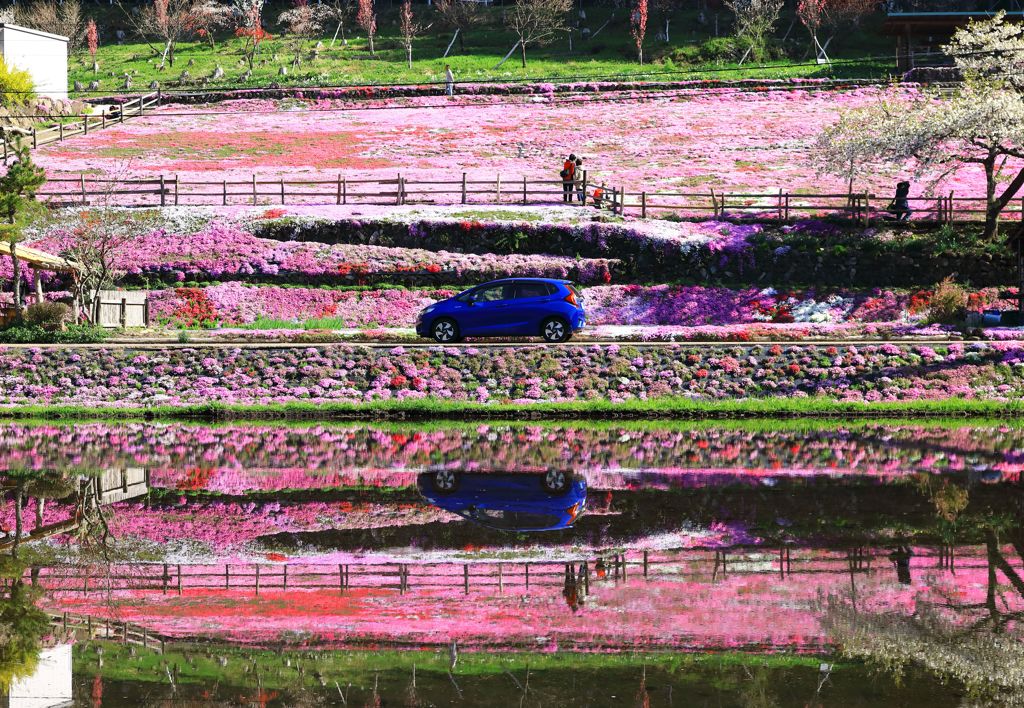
x: 547, y: 564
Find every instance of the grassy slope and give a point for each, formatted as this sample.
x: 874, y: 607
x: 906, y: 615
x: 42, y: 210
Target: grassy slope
x: 446, y: 409
x: 611, y: 53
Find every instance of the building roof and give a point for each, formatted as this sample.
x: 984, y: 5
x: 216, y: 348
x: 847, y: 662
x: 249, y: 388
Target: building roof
x: 29, y: 30
x: 40, y: 259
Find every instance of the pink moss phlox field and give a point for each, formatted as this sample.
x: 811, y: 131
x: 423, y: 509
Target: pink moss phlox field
x: 237, y: 459
x: 183, y: 376
x: 703, y: 139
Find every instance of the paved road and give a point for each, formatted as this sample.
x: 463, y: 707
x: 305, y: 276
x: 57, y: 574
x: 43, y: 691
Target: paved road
x: 163, y: 344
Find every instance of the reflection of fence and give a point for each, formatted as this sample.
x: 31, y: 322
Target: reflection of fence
x: 520, y: 577
x: 112, y: 630
x: 82, y: 125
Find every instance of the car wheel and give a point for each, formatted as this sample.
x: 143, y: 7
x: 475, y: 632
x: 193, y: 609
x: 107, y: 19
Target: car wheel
x: 556, y: 481
x: 445, y: 331
x: 555, y: 329
x: 445, y: 481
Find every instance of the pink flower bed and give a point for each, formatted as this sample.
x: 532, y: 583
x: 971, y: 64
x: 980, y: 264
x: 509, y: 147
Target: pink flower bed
x: 739, y: 139
x: 235, y: 303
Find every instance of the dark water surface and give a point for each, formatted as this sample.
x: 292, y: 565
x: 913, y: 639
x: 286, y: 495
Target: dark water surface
x: 504, y: 564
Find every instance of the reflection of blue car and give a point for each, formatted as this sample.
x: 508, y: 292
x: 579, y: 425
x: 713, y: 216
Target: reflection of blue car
x: 509, y: 502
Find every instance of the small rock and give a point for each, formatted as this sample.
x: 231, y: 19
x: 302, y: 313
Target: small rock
x: 78, y: 87
x: 283, y: 71
x: 191, y: 62
x: 154, y: 85
x: 94, y: 85
x: 218, y: 73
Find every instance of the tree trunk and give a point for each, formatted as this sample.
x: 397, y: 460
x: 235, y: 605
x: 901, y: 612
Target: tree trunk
x: 667, y: 41
x: 640, y: 55
x: 370, y: 35
x: 18, y: 525
x: 992, y: 207
x: 40, y: 508
x: 462, y: 41
x: 522, y: 47
x: 16, y: 270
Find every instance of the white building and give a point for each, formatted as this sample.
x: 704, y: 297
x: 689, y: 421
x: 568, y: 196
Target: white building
x: 43, y: 55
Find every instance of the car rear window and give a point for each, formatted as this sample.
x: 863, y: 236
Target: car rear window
x: 528, y: 289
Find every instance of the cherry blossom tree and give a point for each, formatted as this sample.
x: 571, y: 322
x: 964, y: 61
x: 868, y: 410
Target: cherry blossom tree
x: 819, y: 14
x: 638, y: 27
x: 367, y: 19
x: 980, y: 124
x: 537, y: 21
x: 92, y: 38
x: 249, y: 19
x: 408, y: 28
x: 304, y: 21
x: 173, y: 21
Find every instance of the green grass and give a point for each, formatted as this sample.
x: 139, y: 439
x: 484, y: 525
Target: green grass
x: 443, y: 409
x: 313, y: 323
x: 693, y: 53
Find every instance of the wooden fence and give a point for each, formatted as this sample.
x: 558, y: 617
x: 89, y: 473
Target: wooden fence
x: 521, y: 577
x: 84, y: 124
x: 107, y: 629
x: 783, y: 206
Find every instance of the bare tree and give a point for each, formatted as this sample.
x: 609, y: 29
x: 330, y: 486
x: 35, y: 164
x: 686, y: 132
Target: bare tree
x: 755, y: 21
x: 338, y: 11
x: 173, y: 21
x: 304, y: 21
x: 409, y: 28
x: 538, y: 21
x: 458, y: 15
x: 64, y: 18
x: 96, y: 241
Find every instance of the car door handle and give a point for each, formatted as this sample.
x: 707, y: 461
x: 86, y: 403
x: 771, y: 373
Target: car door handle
x: 501, y: 306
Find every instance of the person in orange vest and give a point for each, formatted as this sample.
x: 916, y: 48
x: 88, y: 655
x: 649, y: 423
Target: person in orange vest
x: 598, y: 197
x: 568, y: 175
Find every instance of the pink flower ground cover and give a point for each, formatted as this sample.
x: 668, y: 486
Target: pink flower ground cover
x: 743, y: 140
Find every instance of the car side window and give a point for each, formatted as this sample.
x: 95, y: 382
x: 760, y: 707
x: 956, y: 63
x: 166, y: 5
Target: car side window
x: 494, y: 293
x: 527, y: 289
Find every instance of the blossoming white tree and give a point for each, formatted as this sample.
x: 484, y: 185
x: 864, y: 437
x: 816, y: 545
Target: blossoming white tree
x: 981, y: 123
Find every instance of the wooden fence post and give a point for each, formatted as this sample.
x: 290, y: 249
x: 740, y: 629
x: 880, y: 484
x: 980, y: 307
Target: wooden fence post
x: 60, y: 128
x: 779, y: 205
x: 867, y: 208
x: 622, y: 204
x: 645, y: 563
x: 398, y: 198
x: 163, y: 192
x: 338, y: 198
x: 85, y: 198
x: 176, y: 180
x: 282, y: 190
x: 124, y: 312
x: 254, y: 190
x: 344, y: 190
x: 257, y: 580
x: 501, y: 586
x: 145, y: 312
x: 463, y: 187
x: 524, y: 190
x: 165, y: 578
x: 341, y: 578
x: 949, y: 208
x: 787, y: 207
x: 179, y: 579
x: 85, y: 123
x: 498, y: 198
x: 465, y: 578
x: 643, y: 205
x: 5, y: 152
x: 224, y: 192
x: 527, y: 568
x: 35, y: 142
x: 284, y: 585
x: 584, y: 202
x: 227, y: 577
x: 714, y: 204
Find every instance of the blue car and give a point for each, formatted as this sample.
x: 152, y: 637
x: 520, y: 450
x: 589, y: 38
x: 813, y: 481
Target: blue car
x: 515, y: 307
x: 508, y: 501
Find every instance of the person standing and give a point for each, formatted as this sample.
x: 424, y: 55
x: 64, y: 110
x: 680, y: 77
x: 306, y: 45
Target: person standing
x: 581, y: 189
x: 449, y: 80
x: 568, y: 175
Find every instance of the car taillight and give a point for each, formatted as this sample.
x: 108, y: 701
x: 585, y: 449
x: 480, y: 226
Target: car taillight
x: 571, y: 299
x: 573, y: 511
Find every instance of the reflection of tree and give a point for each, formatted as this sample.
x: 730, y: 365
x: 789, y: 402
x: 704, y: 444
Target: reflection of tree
x: 967, y: 642
x: 22, y: 627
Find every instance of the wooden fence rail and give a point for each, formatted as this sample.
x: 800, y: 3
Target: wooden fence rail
x: 171, y: 190
x: 83, y: 124
x: 107, y: 629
